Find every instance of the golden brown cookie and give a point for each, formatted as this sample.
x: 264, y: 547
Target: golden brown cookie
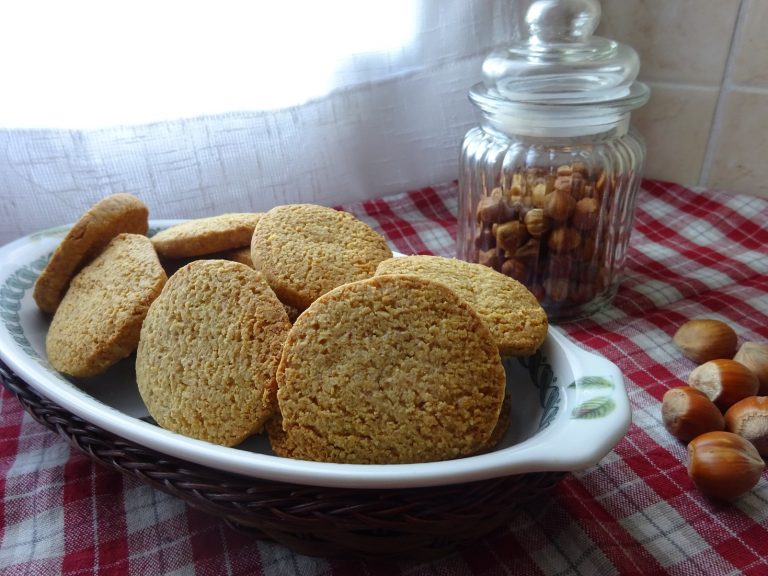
x: 90, y: 234
x: 393, y: 369
x: 208, y: 352
x: 516, y: 319
x: 305, y: 250
x: 203, y: 236
x: 99, y: 319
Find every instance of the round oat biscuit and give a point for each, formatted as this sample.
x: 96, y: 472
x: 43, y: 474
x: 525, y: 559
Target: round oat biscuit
x: 208, y: 352
x: 393, y: 369
x: 516, y: 319
x: 88, y: 236
x: 203, y: 236
x: 305, y: 250
x: 98, y: 321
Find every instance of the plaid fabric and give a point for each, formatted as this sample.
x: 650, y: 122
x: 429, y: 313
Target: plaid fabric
x: 693, y: 253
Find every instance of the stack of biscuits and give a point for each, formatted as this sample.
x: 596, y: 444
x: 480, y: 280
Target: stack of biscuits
x: 298, y: 323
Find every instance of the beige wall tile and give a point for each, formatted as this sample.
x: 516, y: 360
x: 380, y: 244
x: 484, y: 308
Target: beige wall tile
x: 678, y: 40
x: 740, y: 161
x: 750, y: 65
x: 676, y: 123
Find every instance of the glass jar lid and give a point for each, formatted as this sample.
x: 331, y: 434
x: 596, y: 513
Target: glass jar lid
x: 560, y: 68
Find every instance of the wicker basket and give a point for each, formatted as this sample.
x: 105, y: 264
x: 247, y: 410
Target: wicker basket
x: 362, y: 523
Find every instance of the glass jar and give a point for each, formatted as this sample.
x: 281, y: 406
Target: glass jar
x: 549, y: 179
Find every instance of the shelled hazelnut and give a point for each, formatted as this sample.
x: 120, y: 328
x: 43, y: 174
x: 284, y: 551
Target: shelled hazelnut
x: 492, y: 208
x: 538, y: 194
x: 515, y: 269
x: 559, y: 205
x: 488, y: 258
x: 536, y: 222
x: 586, y: 214
x: 485, y: 239
x: 510, y: 235
x: 564, y: 240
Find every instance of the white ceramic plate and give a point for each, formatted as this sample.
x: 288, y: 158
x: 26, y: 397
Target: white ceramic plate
x: 570, y: 407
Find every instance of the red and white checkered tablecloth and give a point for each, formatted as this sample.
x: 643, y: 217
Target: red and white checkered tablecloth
x: 693, y: 254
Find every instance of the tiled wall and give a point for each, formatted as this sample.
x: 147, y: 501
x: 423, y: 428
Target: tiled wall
x: 706, y: 62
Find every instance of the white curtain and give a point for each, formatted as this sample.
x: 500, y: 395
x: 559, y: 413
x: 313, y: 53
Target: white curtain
x: 203, y: 108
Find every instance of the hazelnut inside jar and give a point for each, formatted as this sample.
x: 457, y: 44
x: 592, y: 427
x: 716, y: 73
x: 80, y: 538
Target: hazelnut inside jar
x: 548, y: 180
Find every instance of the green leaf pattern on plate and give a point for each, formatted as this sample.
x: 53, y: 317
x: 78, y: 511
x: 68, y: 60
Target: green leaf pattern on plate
x: 592, y: 383
x: 596, y: 407
x: 11, y: 293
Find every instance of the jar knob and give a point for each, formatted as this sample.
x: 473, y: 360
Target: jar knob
x: 560, y: 62
x: 562, y: 20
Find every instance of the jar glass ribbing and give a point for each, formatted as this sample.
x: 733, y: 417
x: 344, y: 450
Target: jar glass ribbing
x: 555, y: 213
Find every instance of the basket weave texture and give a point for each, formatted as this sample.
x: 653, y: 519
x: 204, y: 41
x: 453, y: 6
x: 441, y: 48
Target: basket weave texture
x: 317, y: 521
